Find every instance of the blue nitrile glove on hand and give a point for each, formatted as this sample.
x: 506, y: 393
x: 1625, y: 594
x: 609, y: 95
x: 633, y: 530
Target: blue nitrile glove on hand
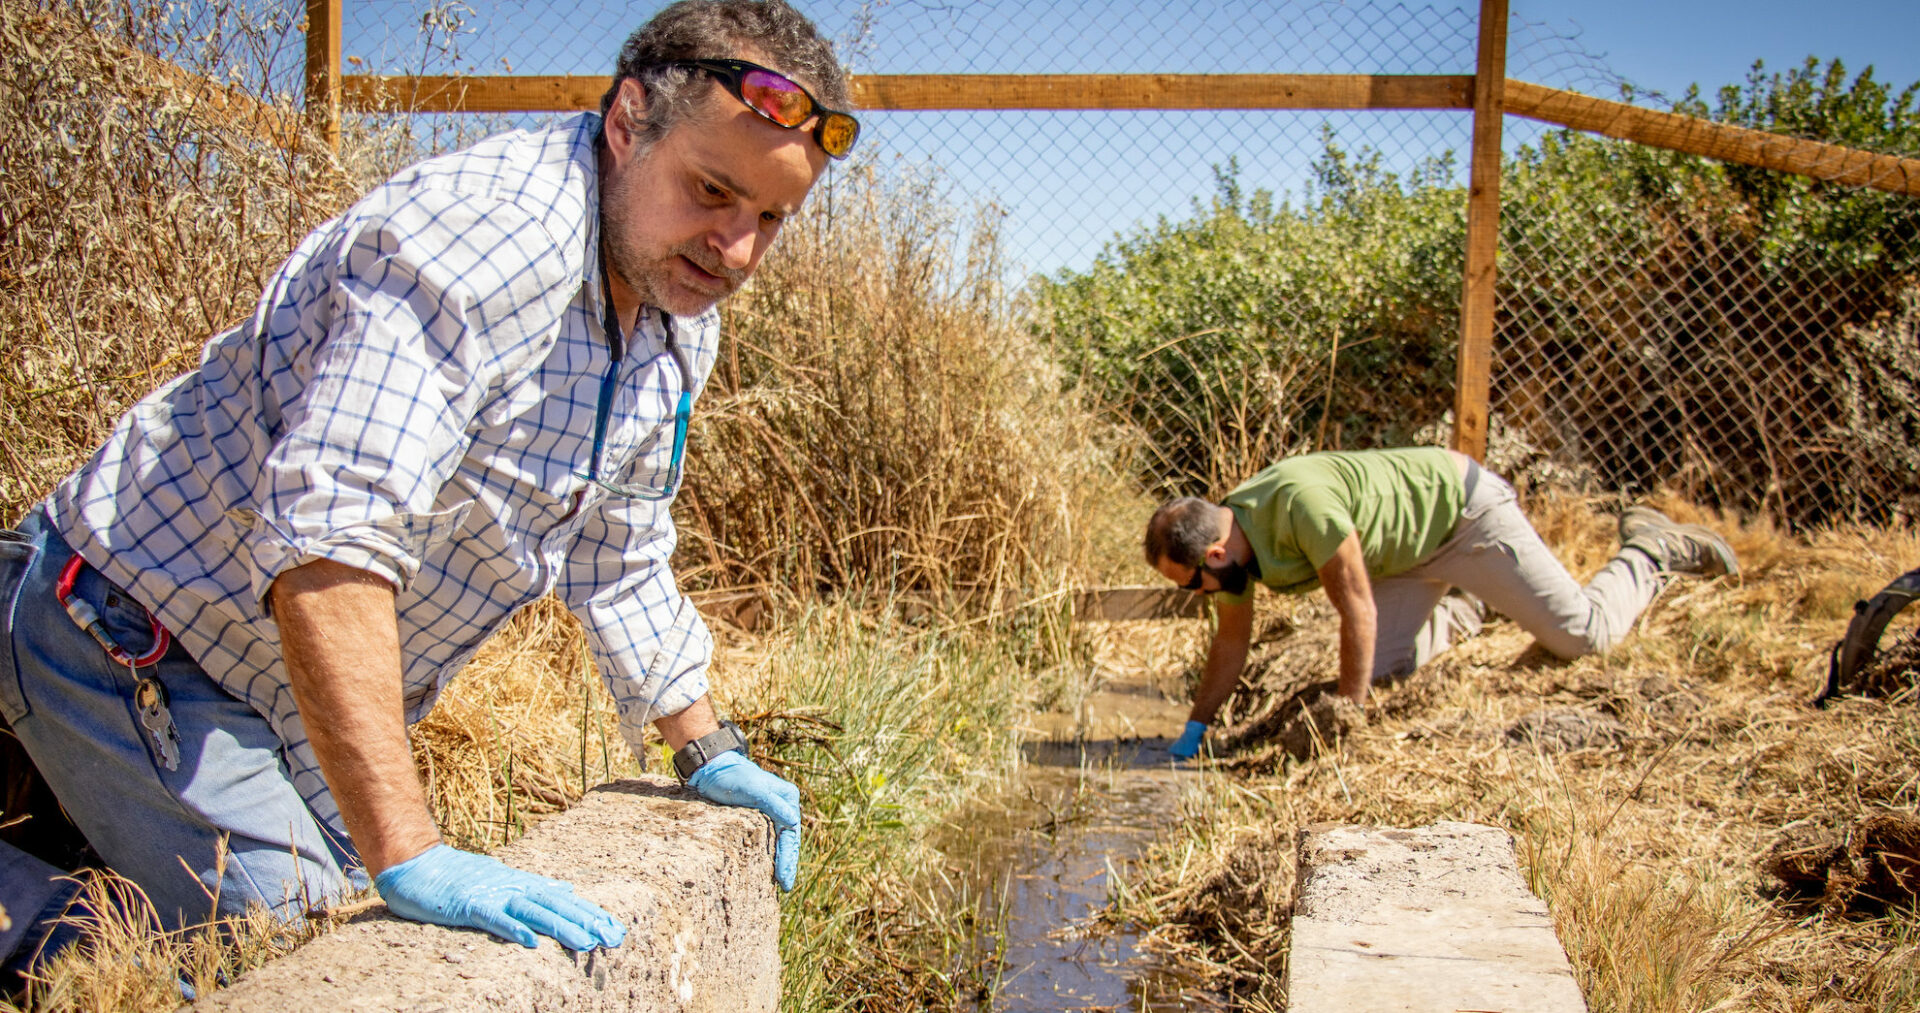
x: 1187, y: 746
x: 732, y: 779
x: 446, y: 886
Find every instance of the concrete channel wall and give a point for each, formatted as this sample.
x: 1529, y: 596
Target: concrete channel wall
x: 1431, y: 920
x: 693, y: 881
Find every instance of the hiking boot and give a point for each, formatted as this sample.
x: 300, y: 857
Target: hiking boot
x: 1676, y: 548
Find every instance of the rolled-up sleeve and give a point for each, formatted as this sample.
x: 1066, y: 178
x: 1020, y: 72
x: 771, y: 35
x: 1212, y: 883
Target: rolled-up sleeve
x: 432, y: 302
x: 648, y: 640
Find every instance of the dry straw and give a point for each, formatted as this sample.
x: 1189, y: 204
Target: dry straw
x: 1646, y: 824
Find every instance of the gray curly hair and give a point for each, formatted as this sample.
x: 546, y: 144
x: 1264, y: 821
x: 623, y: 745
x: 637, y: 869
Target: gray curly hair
x: 777, y: 34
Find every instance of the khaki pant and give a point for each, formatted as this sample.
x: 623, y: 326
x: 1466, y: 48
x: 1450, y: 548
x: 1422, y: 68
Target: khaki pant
x: 1496, y: 556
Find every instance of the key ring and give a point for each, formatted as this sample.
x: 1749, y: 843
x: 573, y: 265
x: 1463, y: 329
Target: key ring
x: 149, y: 694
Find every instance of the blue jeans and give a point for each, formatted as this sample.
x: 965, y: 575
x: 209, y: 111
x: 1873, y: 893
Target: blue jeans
x: 222, y: 830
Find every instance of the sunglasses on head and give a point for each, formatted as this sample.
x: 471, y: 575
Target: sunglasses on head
x: 779, y: 99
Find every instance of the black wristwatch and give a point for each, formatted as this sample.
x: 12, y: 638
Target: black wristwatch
x: 695, y: 754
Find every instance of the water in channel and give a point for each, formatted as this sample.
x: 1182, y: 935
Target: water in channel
x: 1097, y: 788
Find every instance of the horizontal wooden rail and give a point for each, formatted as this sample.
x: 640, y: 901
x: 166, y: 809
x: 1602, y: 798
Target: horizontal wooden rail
x: 930, y: 92
x: 908, y: 92
x: 923, y: 92
x: 1714, y: 140
x: 225, y: 105
x: 439, y: 94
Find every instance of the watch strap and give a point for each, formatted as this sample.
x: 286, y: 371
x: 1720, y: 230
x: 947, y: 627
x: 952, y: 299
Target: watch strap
x: 694, y: 755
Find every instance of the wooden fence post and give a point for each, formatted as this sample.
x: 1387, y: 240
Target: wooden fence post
x: 323, y: 69
x: 1473, y: 379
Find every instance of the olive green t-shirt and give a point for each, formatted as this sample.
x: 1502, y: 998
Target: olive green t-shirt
x: 1403, y: 503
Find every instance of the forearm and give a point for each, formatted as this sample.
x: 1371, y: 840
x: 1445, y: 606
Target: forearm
x: 1226, y: 657
x: 1358, y: 625
x: 682, y: 728
x: 1217, y: 681
x: 341, y: 642
x: 1344, y: 577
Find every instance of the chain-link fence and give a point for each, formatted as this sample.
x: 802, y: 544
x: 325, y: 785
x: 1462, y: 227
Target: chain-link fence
x: 1241, y: 284
x: 1749, y: 337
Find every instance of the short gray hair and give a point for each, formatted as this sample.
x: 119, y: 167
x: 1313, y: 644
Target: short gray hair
x: 1180, y: 532
x: 718, y: 30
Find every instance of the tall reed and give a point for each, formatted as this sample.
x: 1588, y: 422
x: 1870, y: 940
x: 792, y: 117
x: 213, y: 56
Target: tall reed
x: 878, y: 418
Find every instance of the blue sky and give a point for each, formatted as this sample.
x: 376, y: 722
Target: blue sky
x: 1669, y: 44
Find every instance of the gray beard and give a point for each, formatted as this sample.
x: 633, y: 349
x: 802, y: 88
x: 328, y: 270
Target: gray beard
x: 651, y: 279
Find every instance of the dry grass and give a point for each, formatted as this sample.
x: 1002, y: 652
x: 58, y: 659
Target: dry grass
x: 873, y: 430
x: 879, y: 423
x: 1648, y: 836
x: 877, y: 420
x: 140, y: 216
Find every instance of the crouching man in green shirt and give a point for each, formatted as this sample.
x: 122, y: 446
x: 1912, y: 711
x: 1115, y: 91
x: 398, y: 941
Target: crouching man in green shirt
x: 1388, y: 533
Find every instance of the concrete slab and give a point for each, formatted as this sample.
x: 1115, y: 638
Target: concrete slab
x: 692, y: 880
x: 1429, y: 920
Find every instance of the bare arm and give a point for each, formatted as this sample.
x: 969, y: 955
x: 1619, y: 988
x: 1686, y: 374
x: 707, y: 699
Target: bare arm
x: 1225, y: 658
x: 682, y: 728
x: 1345, y: 580
x: 341, y: 640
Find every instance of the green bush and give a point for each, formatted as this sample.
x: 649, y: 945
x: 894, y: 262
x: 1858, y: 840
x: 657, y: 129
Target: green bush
x: 1254, y: 328
x: 1745, y: 336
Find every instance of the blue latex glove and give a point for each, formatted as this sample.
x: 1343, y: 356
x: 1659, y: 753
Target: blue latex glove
x: 446, y: 886
x: 732, y: 779
x: 1187, y: 746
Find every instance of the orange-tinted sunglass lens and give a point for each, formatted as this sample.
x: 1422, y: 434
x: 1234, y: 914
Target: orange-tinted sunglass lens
x: 779, y: 99
x: 836, y: 134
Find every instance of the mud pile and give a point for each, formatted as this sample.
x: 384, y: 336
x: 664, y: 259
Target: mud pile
x: 1864, y: 868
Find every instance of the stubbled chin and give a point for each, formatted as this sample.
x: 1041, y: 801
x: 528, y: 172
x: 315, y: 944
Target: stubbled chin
x: 695, y: 288
x: 669, y: 292
x: 688, y: 302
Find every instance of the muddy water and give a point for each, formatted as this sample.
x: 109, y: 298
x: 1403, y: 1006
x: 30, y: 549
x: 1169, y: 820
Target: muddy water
x: 1098, y: 786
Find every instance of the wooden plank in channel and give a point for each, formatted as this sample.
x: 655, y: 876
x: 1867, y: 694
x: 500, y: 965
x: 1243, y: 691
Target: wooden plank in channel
x: 927, y: 92
x: 1674, y: 132
x: 1114, y: 604
x: 1474, y: 362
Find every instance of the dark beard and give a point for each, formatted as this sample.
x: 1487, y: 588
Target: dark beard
x: 1232, y: 577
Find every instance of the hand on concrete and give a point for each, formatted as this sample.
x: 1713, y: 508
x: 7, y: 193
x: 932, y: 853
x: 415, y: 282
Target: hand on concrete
x: 732, y: 779
x: 446, y: 886
x: 1187, y: 746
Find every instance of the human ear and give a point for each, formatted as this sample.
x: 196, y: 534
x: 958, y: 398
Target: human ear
x: 1217, y: 553
x: 629, y: 107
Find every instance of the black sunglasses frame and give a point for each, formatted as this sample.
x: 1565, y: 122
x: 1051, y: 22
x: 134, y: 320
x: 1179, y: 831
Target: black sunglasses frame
x: 732, y: 74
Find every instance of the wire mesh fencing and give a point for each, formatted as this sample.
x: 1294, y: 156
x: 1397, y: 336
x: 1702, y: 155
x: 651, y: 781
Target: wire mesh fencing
x: 1747, y: 337
x: 1240, y: 284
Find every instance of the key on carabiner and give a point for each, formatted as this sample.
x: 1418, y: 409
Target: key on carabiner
x: 151, y: 698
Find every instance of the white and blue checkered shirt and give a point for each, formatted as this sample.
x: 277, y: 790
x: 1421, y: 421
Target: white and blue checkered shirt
x: 415, y: 395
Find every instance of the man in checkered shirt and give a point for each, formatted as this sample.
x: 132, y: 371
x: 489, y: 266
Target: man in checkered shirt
x: 468, y: 391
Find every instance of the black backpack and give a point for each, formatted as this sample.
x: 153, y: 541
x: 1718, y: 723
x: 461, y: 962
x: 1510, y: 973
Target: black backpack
x: 1850, y: 657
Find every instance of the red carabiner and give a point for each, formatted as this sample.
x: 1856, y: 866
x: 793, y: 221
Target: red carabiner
x: 87, y: 619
